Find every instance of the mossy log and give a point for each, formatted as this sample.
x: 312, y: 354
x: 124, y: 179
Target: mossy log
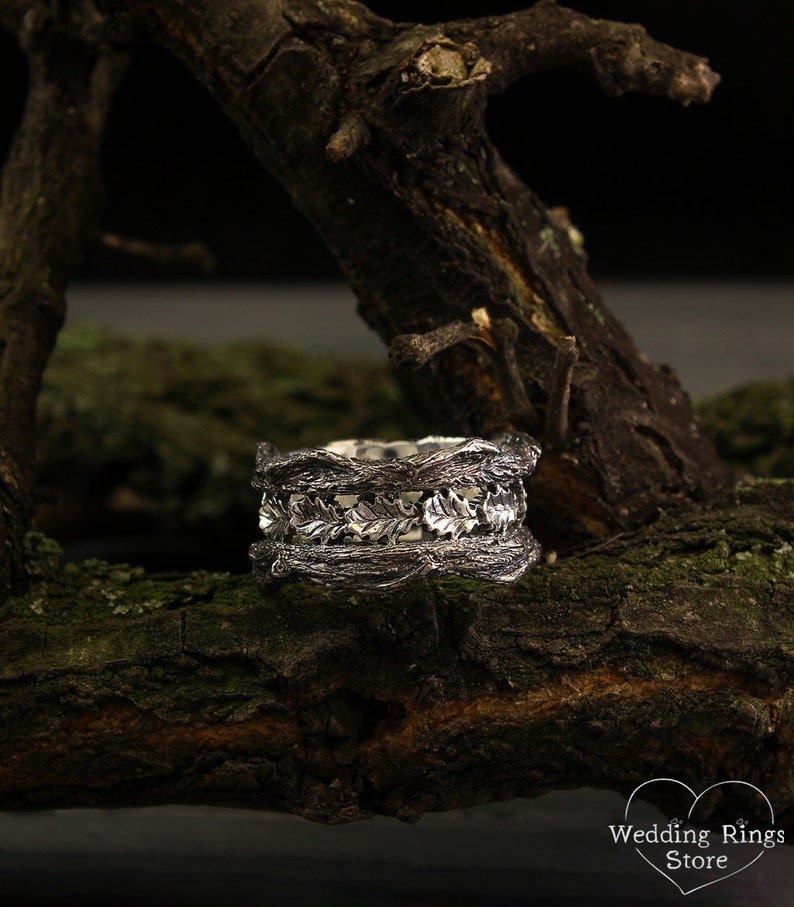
x: 669, y: 652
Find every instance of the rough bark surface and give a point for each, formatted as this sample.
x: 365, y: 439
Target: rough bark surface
x: 385, y: 149
x: 377, y: 131
x: 664, y: 653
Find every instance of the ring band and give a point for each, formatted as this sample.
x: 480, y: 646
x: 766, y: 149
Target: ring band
x: 374, y: 515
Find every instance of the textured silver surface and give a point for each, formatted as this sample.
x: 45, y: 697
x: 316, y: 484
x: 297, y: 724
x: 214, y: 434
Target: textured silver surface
x: 362, y: 514
x: 382, y: 568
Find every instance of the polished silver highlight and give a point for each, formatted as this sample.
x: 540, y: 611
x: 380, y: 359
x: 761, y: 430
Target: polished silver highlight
x: 374, y: 515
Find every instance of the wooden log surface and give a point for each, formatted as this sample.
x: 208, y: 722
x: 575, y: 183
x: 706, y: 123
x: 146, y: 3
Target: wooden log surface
x: 667, y: 652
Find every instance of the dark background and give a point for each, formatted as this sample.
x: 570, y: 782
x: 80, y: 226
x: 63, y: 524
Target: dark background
x: 658, y: 190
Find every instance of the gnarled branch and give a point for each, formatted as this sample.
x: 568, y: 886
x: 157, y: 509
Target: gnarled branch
x: 50, y: 193
x: 620, y: 57
x: 430, y: 224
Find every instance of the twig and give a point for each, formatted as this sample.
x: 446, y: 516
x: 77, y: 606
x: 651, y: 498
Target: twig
x: 353, y: 133
x: 195, y: 256
x: 505, y: 333
x: 556, y: 428
x: 619, y: 56
x: 409, y: 352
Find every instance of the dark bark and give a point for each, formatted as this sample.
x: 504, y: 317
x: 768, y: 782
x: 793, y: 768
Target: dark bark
x: 384, y: 148
x: 663, y: 653
x: 50, y: 193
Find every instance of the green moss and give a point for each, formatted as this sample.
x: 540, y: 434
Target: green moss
x: 42, y: 557
x: 753, y: 427
x: 95, y: 591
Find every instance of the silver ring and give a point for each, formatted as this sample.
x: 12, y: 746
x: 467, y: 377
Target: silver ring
x: 374, y: 515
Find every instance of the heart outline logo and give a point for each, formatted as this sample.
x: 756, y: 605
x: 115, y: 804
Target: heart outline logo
x: 695, y: 799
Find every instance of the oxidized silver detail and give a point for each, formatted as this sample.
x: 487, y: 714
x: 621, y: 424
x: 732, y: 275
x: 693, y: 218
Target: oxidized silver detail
x: 375, y: 515
x: 274, y: 517
x: 313, y: 518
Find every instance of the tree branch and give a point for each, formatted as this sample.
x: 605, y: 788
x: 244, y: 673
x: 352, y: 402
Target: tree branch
x: 50, y: 192
x: 430, y: 224
x: 618, y: 56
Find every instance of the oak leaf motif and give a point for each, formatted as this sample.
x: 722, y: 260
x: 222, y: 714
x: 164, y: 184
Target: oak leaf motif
x: 315, y: 519
x: 274, y: 517
x: 382, y: 518
x: 504, y: 507
x: 446, y: 512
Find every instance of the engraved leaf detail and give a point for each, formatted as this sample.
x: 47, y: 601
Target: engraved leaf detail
x: 273, y: 515
x: 315, y: 519
x: 382, y: 518
x: 504, y: 506
x: 449, y: 513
